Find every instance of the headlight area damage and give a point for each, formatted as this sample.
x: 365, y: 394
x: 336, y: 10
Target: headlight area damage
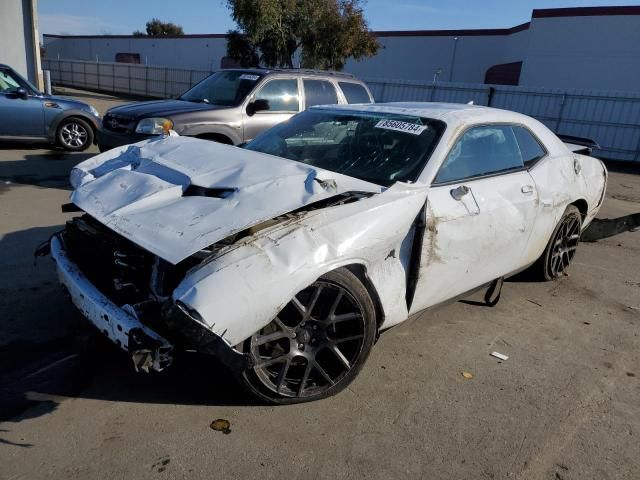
x: 191, y: 245
x: 127, y: 291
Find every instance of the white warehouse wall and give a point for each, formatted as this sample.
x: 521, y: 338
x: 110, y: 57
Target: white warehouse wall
x: 587, y: 52
x: 419, y: 57
x: 200, y: 53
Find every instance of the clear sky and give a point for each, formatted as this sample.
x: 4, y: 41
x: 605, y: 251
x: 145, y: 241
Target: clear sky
x: 101, y: 17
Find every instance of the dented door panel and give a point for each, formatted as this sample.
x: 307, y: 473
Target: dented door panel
x: 476, y: 239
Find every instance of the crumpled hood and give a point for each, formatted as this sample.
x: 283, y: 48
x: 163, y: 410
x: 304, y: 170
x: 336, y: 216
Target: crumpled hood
x: 174, y: 196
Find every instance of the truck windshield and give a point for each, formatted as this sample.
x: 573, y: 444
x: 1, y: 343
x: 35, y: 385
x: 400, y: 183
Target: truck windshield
x: 226, y: 88
x: 377, y: 147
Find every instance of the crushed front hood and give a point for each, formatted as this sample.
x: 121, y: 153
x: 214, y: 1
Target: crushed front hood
x: 174, y: 196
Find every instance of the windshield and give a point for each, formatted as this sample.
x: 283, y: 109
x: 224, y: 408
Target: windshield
x: 381, y: 148
x: 226, y: 88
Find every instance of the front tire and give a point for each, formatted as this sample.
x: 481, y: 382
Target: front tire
x: 561, y: 249
x: 74, y: 134
x: 316, y: 345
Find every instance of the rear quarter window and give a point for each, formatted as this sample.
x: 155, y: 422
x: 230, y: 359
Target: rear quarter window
x: 319, y: 92
x: 354, y: 92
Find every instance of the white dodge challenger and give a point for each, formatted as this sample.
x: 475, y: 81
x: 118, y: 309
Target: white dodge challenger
x: 286, y: 258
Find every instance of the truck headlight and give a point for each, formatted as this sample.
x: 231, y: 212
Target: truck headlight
x: 154, y: 126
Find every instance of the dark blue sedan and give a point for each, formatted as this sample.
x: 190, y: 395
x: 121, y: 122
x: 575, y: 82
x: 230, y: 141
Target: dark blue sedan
x: 28, y: 115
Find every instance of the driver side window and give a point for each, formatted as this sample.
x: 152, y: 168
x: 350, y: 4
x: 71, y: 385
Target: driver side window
x: 7, y: 82
x: 280, y: 95
x: 481, y: 151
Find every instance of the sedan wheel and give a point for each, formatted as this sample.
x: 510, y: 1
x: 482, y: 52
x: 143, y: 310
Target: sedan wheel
x: 75, y: 134
x: 316, y: 344
x: 562, y: 246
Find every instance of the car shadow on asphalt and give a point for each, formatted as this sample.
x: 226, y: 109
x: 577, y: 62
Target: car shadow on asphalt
x: 48, y: 170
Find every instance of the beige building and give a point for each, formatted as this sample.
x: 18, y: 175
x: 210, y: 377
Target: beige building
x: 19, y: 38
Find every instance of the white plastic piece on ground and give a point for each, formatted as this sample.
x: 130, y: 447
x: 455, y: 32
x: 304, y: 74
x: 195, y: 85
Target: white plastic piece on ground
x: 499, y: 355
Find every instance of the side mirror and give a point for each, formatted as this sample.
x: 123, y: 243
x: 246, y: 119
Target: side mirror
x: 22, y: 93
x: 259, y: 105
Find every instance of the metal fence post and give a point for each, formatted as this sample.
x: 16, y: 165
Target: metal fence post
x: 146, y: 80
x: 490, y: 92
x: 166, y: 81
x: 113, y: 77
x: 129, y: 77
x: 433, y: 92
x: 384, y: 86
x: 636, y: 157
x: 562, y: 103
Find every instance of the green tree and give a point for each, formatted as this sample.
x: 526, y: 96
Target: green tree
x: 328, y: 32
x: 157, y: 28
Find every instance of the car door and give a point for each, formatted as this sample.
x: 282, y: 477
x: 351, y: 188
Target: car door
x: 480, y: 213
x: 282, y: 99
x: 20, y: 116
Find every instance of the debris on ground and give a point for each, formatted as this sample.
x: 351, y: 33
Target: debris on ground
x: 221, y: 425
x: 467, y: 375
x: 499, y: 355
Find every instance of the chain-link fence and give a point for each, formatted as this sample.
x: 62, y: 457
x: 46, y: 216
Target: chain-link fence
x: 610, y: 118
x: 127, y: 78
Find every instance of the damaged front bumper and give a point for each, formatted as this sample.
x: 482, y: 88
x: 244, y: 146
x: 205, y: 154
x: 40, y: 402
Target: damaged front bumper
x: 149, y: 350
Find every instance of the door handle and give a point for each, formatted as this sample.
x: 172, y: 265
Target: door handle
x: 459, y: 192
x: 527, y: 189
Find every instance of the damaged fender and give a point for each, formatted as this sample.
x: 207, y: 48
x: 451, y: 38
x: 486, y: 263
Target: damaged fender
x: 244, y: 288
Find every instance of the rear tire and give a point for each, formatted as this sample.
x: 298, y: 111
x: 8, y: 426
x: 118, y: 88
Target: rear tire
x: 74, y: 134
x: 317, y: 343
x: 561, y: 249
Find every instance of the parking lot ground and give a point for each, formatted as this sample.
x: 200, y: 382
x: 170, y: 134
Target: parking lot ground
x: 563, y: 406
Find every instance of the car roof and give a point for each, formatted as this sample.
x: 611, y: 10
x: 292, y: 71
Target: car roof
x: 438, y: 111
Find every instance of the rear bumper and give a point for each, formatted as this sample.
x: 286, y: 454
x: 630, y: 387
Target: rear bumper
x: 149, y: 350
x: 107, y: 140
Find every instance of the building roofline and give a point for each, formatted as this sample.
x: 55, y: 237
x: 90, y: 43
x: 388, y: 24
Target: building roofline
x: 538, y: 13
x: 382, y: 33
x: 586, y: 11
x: 479, y: 32
x: 142, y: 37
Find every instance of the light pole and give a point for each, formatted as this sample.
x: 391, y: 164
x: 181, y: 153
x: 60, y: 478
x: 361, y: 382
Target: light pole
x: 453, y: 58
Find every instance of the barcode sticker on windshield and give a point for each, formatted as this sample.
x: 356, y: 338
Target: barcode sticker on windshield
x: 401, y: 126
x: 247, y: 76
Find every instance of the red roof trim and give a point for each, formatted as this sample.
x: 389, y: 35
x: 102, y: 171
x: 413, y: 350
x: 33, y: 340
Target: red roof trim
x: 452, y: 33
x: 585, y: 11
